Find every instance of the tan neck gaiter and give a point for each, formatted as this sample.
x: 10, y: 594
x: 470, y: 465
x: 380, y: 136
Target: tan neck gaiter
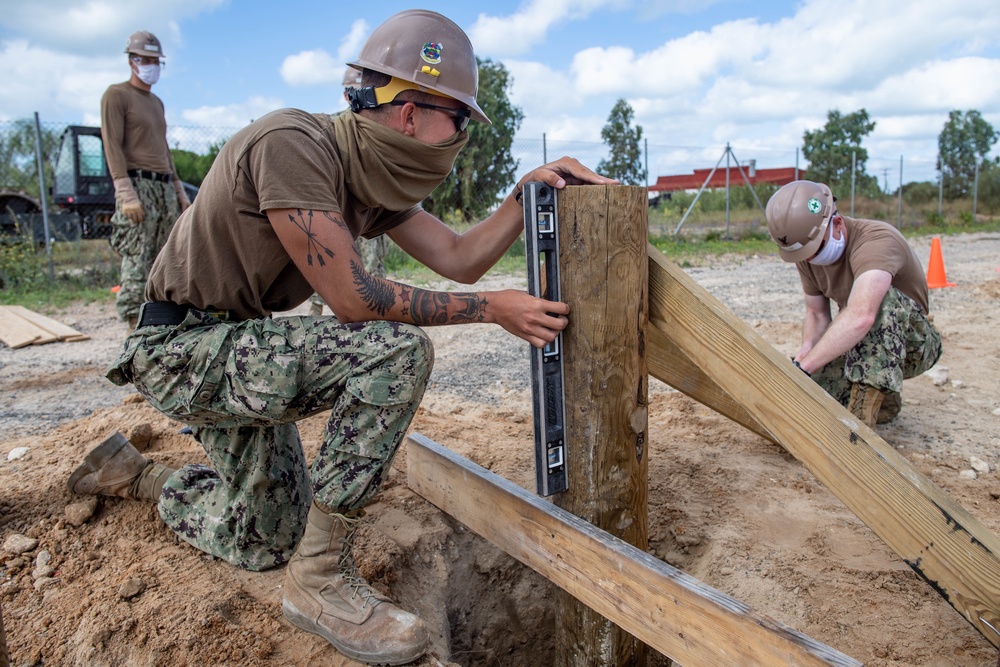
x: 387, y: 169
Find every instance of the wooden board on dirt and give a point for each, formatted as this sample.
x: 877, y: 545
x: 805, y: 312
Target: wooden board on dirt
x: 20, y: 326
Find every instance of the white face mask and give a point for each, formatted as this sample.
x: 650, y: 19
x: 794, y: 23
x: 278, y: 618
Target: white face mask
x: 148, y: 74
x: 831, y: 252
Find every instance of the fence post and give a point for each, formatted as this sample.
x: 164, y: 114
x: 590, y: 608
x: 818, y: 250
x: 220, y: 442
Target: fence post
x: 975, y: 192
x: 42, y: 196
x: 604, y: 277
x: 899, y: 218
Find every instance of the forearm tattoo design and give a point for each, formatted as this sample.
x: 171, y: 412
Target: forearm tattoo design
x: 377, y: 294
x: 424, y: 307
x: 304, y: 221
x: 428, y: 307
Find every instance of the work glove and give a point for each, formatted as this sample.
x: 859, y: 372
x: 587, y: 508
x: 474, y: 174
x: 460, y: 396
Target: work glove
x: 128, y: 200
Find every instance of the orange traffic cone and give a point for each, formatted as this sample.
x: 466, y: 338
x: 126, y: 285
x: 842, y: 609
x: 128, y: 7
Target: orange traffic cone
x: 935, y: 267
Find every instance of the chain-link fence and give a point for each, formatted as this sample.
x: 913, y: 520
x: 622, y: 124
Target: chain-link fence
x: 78, y: 194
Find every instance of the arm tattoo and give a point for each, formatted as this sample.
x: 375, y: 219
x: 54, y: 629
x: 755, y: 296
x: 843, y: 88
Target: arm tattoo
x: 335, y: 220
x: 305, y: 222
x: 432, y: 307
x: 377, y: 294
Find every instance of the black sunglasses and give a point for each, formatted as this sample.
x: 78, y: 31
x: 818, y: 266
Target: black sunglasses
x: 460, y: 117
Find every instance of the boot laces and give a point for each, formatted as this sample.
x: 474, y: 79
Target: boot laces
x: 349, y: 569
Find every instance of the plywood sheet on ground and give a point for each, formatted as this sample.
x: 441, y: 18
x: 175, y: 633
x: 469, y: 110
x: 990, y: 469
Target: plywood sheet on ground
x: 20, y: 326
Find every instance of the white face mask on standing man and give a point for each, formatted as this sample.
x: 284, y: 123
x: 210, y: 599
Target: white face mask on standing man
x: 148, y: 73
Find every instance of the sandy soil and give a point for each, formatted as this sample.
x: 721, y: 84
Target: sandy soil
x: 104, y: 583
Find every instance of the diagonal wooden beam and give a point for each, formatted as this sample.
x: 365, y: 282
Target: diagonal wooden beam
x: 673, y: 612
x: 933, y: 534
x: 669, y: 364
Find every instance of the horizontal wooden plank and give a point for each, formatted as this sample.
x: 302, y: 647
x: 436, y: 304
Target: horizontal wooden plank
x: 54, y: 327
x: 15, y: 331
x: 663, y: 607
x: 943, y: 543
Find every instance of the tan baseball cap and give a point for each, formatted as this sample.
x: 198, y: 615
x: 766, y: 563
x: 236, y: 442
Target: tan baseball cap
x: 797, y: 217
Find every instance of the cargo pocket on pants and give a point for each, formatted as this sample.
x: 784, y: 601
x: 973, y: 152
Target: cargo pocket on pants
x: 382, y: 389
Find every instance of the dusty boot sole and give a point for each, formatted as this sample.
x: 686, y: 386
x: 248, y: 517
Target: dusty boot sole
x: 97, y: 457
x: 303, y: 622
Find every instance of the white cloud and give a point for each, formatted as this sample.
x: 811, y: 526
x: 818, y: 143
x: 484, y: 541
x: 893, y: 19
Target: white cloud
x: 317, y: 67
x: 515, y: 34
x: 352, y: 42
x: 234, y: 115
x: 311, y: 68
x: 99, y: 27
x: 73, y: 84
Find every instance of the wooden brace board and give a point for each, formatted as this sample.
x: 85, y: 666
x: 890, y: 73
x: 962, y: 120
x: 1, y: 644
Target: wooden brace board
x: 730, y: 368
x: 666, y: 609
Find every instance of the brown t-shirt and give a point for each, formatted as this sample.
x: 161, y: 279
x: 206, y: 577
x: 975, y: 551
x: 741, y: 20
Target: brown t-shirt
x: 223, y: 252
x: 134, y: 131
x: 871, y: 244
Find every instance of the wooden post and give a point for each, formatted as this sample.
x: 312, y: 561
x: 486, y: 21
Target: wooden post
x: 603, y: 232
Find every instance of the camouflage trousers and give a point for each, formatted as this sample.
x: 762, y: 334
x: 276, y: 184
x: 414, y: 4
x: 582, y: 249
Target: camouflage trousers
x: 372, y: 253
x: 902, y: 343
x: 241, y: 387
x: 139, y: 242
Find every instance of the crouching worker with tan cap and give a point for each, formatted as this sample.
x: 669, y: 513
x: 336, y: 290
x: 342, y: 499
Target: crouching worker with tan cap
x: 882, y: 333
x: 275, y: 220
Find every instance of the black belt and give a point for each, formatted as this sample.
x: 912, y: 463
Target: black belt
x: 166, y: 313
x: 150, y: 175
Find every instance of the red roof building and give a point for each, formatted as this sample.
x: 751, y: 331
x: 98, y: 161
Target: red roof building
x: 781, y: 176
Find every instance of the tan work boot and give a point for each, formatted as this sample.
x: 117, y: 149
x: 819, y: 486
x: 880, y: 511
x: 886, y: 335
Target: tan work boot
x: 865, y: 403
x: 891, y: 405
x: 325, y: 595
x: 116, y: 468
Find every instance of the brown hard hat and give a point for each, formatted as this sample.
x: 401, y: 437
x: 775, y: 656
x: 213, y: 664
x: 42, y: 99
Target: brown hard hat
x: 144, y: 43
x: 426, y: 49
x: 352, y: 77
x: 797, y: 217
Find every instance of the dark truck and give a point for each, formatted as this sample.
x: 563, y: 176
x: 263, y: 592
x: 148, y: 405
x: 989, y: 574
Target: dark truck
x: 82, y: 183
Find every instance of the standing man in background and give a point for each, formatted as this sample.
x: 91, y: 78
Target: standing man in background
x: 148, y: 194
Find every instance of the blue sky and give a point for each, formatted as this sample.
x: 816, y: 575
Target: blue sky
x: 698, y: 73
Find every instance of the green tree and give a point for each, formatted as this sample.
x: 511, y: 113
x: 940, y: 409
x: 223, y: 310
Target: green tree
x: 192, y: 167
x: 486, y: 167
x: 989, y: 187
x: 18, y: 161
x: 625, y: 161
x: 962, y: 144
x: 829, y: 150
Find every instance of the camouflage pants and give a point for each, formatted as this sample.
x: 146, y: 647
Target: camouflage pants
x: 902, y: 343
x: 372, y: 253
x: 139, y: 242
x: 241, y: 387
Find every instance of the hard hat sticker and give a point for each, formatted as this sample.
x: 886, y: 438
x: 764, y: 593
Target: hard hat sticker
x: 431, y: 52
x: 814, y: 206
